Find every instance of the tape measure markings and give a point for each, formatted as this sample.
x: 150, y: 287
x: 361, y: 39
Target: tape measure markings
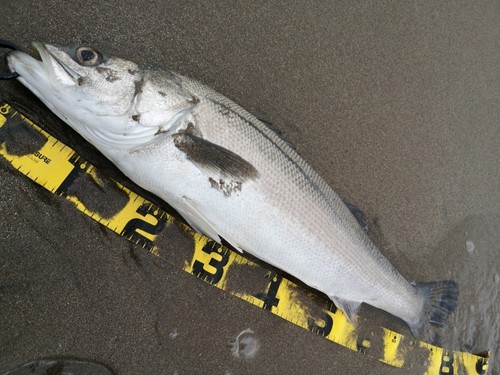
x: 140, y: 221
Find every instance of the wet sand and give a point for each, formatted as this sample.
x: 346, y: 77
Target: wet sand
x: 396, y: 106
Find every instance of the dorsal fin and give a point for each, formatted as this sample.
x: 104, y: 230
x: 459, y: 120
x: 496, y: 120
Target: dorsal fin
x: 360, y: 217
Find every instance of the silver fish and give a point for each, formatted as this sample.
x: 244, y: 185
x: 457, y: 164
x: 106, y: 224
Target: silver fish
x: 228, y: 174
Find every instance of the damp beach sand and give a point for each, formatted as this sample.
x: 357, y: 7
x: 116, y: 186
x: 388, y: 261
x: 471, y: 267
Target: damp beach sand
x: 395, y: 105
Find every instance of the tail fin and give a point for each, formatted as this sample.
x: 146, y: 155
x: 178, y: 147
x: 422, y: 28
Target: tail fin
x: 440, y: 299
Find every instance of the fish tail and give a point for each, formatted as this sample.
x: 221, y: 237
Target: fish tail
x: 440, y: 300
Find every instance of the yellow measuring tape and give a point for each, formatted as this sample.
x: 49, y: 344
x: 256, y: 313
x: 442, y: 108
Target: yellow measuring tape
x: 59, y: 169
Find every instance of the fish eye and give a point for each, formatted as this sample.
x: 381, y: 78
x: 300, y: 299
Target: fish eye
x: 88, y: 56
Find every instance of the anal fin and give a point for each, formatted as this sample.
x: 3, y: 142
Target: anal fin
x: 349, y: 308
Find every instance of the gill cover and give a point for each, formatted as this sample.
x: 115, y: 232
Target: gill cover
x: 108, y: 100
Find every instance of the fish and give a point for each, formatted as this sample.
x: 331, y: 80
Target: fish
x: 228, y: 174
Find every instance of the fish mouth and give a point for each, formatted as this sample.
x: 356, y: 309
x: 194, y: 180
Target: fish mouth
x: 44, y: 63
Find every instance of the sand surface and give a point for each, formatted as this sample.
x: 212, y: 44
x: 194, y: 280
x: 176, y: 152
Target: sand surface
x: 395, y: 105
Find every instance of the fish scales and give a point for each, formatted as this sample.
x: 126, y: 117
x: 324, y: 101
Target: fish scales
x: 318, y: 203
x: 228, y: 174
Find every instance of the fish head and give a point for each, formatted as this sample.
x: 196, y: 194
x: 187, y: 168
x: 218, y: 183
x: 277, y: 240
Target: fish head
x: 92, y: 92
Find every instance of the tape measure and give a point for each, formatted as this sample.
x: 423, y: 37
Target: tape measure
x: 59, y: 169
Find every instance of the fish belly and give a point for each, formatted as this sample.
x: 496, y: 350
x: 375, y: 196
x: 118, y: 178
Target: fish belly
x: 293, y: 233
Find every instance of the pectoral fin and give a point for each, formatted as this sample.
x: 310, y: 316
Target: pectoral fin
x: 216, y: 160
x: 197, y: 220
x: 349, y: 308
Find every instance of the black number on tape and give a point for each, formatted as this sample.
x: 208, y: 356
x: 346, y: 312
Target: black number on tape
x: 130, y: 230
x: 446, y: 364
x: 321, y: 329
x: 80, y: 167
x: 270, y: 298
x: 217, y: 263
x: 480, y: 366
